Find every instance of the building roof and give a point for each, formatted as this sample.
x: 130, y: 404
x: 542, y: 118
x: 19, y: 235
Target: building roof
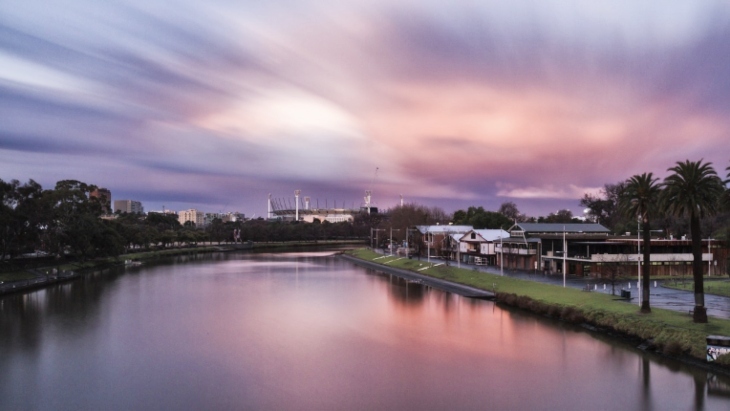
x: 560, y: 227
x: 486, y: 234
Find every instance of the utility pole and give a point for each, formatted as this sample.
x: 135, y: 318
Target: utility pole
x: 501, y: 256
x: 377, y: 242
x: 565, y: 254
x: 296, y: 204
x: 391, y: 239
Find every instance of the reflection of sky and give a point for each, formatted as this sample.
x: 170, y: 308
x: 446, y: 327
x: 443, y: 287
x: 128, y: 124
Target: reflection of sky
x: 216, y: 104
x: 312, y: 333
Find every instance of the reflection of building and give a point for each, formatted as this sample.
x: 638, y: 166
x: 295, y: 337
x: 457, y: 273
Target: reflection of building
x: 105, y: 199
x: 192, y: 215
x: 128, y: 206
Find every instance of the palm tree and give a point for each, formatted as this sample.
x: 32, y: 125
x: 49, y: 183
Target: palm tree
x: 694, y: 190
x: 640, y: 198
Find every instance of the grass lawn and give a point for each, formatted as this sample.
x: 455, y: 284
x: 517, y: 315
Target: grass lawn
x: 716, y: 287
x: 16, y: 276
x: 666, y: 328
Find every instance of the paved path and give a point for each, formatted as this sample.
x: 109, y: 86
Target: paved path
x: 659, y: 296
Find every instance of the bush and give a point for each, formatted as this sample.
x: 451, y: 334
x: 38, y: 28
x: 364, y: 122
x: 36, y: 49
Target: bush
x: 672, y: 348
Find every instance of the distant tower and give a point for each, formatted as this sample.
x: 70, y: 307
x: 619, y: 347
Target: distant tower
x: 368, y: 194
x: 401, y: 200
x: 268, y: 210
x: 296, y: 203
x: 306, y: 203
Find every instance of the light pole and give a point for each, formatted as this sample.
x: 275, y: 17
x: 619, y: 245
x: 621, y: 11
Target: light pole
x: 565, y: 253
x: 377, y: 236
x: 429, y: 238
x: 391, y: 239
x: 501, y: 255
x: 638, y: 255
x: 296, y: 204
x: 408, y: 245
x: 709, y: 262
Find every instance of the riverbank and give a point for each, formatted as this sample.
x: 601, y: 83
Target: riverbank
x: 41, y: 277
x: 664, y: 332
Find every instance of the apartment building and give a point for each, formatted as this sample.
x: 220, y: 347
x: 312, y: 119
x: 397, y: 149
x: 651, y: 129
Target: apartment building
x: 128, y: 206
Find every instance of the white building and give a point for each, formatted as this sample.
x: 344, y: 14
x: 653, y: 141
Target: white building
x: 128, y: 206
x: 230, y: 217
x: 192, y: 215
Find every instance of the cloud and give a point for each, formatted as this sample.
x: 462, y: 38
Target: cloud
x: 537, y: 101
x: 548, y: 191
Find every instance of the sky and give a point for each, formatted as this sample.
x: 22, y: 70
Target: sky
x: 216, y: 104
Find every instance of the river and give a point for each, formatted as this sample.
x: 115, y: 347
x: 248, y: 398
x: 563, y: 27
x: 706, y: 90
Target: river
x: 311, y: 331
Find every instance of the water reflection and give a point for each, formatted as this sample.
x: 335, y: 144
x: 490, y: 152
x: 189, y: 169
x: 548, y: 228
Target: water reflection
x: 293, y: 331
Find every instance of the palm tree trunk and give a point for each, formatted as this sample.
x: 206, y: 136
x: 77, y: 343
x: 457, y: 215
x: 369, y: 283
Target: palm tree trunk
x: 700, y: 312
x: 645, y: 280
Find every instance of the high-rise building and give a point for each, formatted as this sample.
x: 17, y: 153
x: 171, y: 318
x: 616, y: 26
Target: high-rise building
x: 128, y: 206
x: 191, y: 215
x: 105, y: 199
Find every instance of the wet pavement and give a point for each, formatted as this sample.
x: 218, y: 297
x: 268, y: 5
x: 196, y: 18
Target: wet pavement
x: 659, y: 296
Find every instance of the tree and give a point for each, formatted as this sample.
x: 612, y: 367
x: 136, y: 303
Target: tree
x: 603, y: 208
x: 694, y: 190
x: 641, y: 198
x: 509, y: 210
x: 74, y: 218
x: 613, y: 269
x: 561, y: 216
x: 480, y: 218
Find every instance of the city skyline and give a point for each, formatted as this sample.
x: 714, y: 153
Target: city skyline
x: 214, y: 106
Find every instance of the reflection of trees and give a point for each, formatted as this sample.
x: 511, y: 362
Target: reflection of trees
x: 24, y: 317
x: 646, y: 383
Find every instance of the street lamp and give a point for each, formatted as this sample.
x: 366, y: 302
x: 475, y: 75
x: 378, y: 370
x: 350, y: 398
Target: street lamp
x: 391, y: 240
x: 709, y: 261
x: 565, y: 253
x: 429, y: 241
x: 296, y: 203
x: 638, y: 255
x: 501, y: 255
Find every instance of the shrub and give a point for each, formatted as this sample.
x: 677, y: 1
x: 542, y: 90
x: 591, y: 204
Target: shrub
x: 672, y: 348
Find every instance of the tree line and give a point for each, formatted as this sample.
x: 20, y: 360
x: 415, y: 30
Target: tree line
x: 65, y: 222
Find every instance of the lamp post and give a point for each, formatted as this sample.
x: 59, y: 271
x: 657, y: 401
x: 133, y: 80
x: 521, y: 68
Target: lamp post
x: 429, y: 240
x: 565, y: 253
x: 408, y: 241
x: 376, y: 237
x: 391, y: 239
x: 638, y: 256
x: 296, y: 204
x: 408, y: 245
x: 501, y: 255
x: 709, y: 261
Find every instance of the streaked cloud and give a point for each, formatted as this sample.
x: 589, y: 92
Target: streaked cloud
x: 220, y: 103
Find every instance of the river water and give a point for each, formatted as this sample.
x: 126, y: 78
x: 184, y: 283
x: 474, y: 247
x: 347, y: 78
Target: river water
x: 311, y: 331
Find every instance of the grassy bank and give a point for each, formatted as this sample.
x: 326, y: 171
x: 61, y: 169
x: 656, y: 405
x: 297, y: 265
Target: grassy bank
x: 669, y: 332
x: 716, y: 287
